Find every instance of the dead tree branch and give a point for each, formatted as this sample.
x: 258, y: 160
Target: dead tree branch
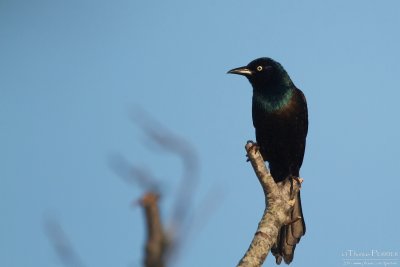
x: 279, y: 201
x: 163, y: 243
x: 157, y: 241
x: 174, y: 144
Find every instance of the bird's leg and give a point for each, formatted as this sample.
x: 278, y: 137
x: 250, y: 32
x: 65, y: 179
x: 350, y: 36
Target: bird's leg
x: 299, y: 182
x: 253, y: 146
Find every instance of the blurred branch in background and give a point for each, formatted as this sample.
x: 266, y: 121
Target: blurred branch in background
x: 172, y: 143
x: 164, y: 243
x: 134, y: 174
x: 64, y: 249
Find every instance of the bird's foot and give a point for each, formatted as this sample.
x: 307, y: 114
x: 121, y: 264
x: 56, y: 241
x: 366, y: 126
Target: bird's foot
x: 254, y: 146
x: 298, y: 179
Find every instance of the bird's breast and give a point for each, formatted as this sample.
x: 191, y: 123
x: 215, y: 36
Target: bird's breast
x: 276, y: 118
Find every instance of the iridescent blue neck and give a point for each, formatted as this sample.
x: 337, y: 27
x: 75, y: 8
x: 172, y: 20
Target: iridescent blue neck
x: 271, y: 101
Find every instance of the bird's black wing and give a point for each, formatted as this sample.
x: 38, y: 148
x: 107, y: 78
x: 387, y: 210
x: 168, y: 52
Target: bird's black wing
x: 302, y: 129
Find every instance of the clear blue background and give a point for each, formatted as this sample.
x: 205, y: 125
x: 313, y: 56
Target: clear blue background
x: 71, y: 71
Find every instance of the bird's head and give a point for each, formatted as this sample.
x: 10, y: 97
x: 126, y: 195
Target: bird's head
x: 264, y: 73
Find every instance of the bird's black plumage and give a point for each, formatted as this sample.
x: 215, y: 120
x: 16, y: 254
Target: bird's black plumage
x: 280, y: 118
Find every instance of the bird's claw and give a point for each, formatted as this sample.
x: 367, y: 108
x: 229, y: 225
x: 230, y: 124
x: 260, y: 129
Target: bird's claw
x: 292, y: 202
x: 298, y: 179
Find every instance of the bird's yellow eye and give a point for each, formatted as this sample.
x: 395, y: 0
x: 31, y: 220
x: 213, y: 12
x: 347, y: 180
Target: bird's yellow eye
x: 259, y: 68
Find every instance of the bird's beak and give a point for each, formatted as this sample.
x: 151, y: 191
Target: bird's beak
x: 241, y: 71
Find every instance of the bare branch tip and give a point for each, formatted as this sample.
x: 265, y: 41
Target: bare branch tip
x: 150, y: 198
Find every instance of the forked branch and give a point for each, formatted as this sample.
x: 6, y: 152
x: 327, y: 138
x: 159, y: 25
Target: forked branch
x: 279, y: 202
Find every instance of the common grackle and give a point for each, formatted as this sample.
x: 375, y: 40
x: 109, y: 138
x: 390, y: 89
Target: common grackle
x: 280, y: 118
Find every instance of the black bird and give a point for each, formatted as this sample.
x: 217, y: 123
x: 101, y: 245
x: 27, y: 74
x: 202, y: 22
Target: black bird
x: 280, y: 118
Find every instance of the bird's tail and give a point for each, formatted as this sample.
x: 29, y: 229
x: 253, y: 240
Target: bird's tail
x: 290, y: 235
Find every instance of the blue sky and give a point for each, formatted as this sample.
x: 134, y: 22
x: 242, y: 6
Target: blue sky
x: 71, y: 72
